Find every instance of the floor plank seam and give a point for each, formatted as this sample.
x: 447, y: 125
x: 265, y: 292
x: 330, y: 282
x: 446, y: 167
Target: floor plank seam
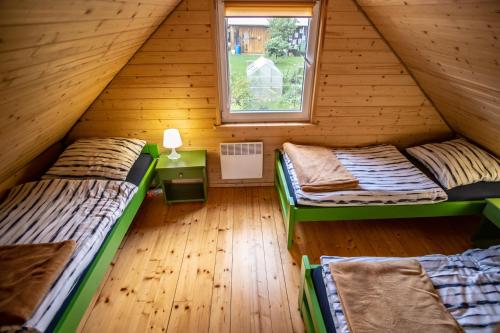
x: 265, y: 256
x: 280, y: 256
x: 215, y: 262
x: 180, y: 268
x: 282, y: 245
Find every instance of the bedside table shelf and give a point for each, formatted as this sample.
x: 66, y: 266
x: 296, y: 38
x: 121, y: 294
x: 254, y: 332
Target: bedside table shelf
x: 184, y: 179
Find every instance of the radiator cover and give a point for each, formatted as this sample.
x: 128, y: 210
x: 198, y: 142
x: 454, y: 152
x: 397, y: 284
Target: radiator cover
x: 241, y: 160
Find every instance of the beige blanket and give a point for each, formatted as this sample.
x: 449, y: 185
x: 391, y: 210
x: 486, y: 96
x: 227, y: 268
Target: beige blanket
x: 395, y: 296
x: 318, y: 169
x: 27, y: 273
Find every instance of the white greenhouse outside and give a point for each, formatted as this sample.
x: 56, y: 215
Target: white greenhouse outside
x: 265, y: 79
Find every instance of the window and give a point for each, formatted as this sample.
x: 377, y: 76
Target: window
x: 267, y: 53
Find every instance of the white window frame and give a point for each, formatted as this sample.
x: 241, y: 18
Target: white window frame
x: 264, y: 116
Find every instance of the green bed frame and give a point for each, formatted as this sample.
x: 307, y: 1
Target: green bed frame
x: 308, y: 300
x: 75, y: 309
x: 293, y: 214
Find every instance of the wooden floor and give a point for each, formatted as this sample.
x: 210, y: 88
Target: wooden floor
x: 224, y: 266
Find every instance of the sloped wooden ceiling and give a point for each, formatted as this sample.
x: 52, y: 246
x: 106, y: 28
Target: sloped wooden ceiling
x: 364, y: 94
x: 452, y: 48
x: 55, y: 58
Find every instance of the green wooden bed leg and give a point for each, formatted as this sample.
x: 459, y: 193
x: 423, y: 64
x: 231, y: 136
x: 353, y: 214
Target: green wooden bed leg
x: 486, y: 235
x: 306, y: 316
x: 287, y: 203
x: 302, y: 301
x: 492, y: 211
x: 308, y: 301
x: 290, y: 228
x: 304, y: 267
x: 488, y: 232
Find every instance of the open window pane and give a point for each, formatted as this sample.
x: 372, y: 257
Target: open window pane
x: 266, y: 63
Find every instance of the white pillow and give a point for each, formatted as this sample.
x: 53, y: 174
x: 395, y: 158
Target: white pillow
x: 103, y: 158
x: 457, y: 162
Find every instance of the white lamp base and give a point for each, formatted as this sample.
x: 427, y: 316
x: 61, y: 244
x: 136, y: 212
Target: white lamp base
x: 174, y: 155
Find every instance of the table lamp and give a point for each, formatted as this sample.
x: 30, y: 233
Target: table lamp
x: 172, y: 139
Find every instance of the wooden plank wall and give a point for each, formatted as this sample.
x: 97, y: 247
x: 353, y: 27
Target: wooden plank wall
x: 55, y: 58
x: 452, y: 48
x: 32, y: 171
x: 364, y: 94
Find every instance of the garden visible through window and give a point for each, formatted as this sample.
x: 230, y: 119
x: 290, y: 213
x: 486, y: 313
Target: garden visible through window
x: 266, y: 63
x: 267, y: 59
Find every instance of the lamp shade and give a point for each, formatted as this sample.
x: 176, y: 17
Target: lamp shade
x: 172, y: 138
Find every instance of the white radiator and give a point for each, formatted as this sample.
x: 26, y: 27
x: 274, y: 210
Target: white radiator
x: 241, y: 160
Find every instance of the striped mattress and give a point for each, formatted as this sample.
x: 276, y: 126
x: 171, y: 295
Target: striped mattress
x: 385, y: 177
x: 468, y: 284
x: 60, y: 209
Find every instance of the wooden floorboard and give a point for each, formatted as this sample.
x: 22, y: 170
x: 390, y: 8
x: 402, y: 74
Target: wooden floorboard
x: 223, y: 266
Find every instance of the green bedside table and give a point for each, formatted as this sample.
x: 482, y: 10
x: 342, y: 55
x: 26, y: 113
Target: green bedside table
x: 184, y: 179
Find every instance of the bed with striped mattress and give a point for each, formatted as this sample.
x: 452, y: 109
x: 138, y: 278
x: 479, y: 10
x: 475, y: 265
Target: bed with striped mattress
x: 468, y: 284
x: 386, y: 177
x: 390, y: 186
x: 55, y: 210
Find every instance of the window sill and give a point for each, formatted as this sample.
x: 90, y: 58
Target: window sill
x: 270, y: 124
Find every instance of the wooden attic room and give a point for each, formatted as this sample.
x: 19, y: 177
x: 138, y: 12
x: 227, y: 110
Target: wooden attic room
x: 250, y: 166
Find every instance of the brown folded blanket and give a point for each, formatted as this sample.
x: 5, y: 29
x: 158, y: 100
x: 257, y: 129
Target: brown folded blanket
x: 318, y: 169
x: 28, y: 271
x: 395, y: 296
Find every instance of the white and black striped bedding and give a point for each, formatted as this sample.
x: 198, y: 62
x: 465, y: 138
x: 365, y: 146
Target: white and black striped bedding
x: 457, y: 162
x: 385, y: 177
x: 468, y: 284
x: 60, y: 209
x: 103, y: 158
